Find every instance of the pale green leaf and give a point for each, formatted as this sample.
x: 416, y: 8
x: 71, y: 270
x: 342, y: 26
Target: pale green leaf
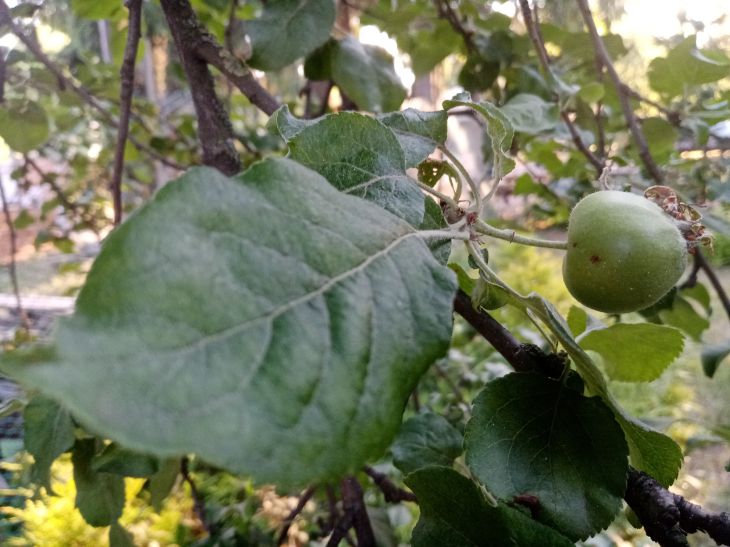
x: 577, y: 320
x: 530, y: 435
x: 684, y: 316
x: 418, y: 132
x: 362, y: 157
x: 651, y: 451
x: 499, y: 131
x: 592, y: 92
x: 531, y: 114
x: 284, y: 350
x: 426, y: 439
x: 635, y: 352
x: 288, y: 30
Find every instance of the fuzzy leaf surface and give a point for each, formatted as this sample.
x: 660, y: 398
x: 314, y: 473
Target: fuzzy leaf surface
x: 296, y: 345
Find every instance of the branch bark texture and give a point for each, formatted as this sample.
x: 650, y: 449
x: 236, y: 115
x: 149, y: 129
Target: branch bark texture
x: 214, y: 127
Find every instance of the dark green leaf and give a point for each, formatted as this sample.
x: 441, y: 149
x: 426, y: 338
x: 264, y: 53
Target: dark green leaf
x: 292, y: 348
x: 454, y: 513
x: 363, y: 72
x: 23, y: 125
x: 531, y: 114
x: 426, y: 439
x: 99, y: 496
x: 48, y: 433
x: 635, y: 352
x: 362, y: 157
x: 288, y: 30
x: 499, y: 130
x: 119, y: 537
x: 532, y: 436
x: 418, y: 132
x: 287, y: 125
x: 712, y: 356
x: 120, y: 461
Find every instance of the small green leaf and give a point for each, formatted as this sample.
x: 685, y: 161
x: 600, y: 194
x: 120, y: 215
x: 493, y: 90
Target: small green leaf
x: 418, y: 132
x: 466, y: 282
x: 712, y: 356
x: 99, y: 496
x: 577, y: 320
x: 531, y: 114
x: 161, y: 483
x: 426, y: 439
x: 288, y: 30
x: 48, y: 433
x: 119, y: 461
x: 651, y: 451
x: 532, y: 436
x: 296, y: 346
x: 454, y: 513
x: 683, y: 316
x: 362, y: 157
x: 23, y: 220
x: 119, y: 537
x: 592, y: 92
x: 684, y: 66
x: 661, y: 136
x: 635, y: 352
x: 698, y: 293
x: 23, y: 125
x: 499, y: 130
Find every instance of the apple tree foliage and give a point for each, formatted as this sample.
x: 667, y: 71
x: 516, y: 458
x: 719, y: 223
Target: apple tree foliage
x: 275, y: 323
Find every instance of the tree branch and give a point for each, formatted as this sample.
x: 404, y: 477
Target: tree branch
x: 215, y: 132
x: 198, y: 501
x: 303, y: 499
x: 125, y: 100
x: 705, y: 266
x: 667, y: 517
x: 622, y: 92
x: 450, y: 15
x: 391, y: 492
x: 538, y: 43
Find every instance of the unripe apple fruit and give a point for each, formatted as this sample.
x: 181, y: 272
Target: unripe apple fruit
x: 624, y: 253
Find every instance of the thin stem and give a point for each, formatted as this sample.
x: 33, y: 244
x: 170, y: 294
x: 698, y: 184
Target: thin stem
x: 443, y: 197
x: 465, y: 177
x: 289, y: 520
x: 391, y: 492
x: 443, y: 234
x: 12, y: 271
x: 714, y: 280
x: 511, y: 236
x: 475, y: 253
x: 623, y: 95
x: 538, y: 43
x: 198, y: 500
x: 125, y: 100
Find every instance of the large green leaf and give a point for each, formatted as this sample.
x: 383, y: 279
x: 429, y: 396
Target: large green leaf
x: 362, y: 157
x: 454, y: 513
x: 23, y: 125
x: 268, y: 323
x: 418, y: 132
x: 48, y: 433
x: 499, y: 130
x: 363, y: 72
x: 684, y: 66
x: 288, y: 30
x: 531, y: 114
x: 532, y: 436
x: 635, y: 352
x: 99, y: 496
x: 426, y: 439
